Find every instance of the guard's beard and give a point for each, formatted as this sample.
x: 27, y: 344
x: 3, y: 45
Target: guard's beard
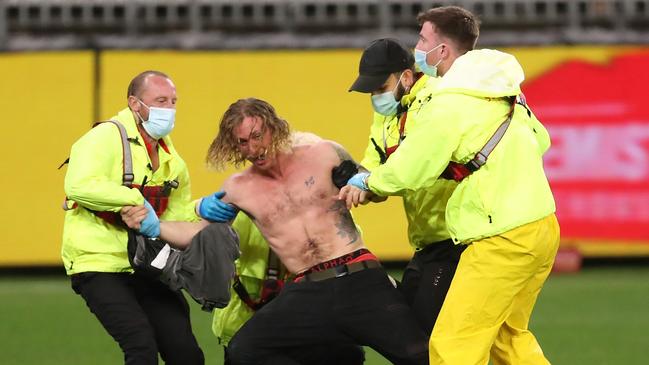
x: 401, y: 91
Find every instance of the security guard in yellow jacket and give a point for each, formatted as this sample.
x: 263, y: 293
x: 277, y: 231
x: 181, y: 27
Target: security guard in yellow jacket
x: 142, y: 315
x: 387, y: 71
x: 251, y: 271
x: 477, y: 129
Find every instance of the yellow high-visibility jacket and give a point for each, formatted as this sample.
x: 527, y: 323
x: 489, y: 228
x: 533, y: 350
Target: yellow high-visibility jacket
x: 251, y: 268
x: 94, y: 181
x: 466, y: 108
x: 425, y: 208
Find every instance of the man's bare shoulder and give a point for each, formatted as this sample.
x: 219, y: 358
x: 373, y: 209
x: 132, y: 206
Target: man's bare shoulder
x: 240, y: 177
x: 332, y: 148
x: 235, y: 183
x: 323, y: 149
x: 323, y: 145
x: 304, y: 138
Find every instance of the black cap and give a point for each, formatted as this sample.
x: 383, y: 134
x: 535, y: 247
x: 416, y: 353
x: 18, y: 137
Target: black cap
x: 380, y: 59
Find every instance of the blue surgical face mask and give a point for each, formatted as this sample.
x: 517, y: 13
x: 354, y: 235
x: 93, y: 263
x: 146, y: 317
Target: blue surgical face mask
x: 161, y: 121
x: 385, y: 103
x: 420, y: 61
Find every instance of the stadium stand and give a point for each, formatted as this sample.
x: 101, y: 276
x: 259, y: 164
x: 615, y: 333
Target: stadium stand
x: 233, y: 24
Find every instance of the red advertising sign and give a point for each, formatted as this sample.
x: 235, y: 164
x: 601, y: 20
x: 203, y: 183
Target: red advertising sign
x: 598, y: 166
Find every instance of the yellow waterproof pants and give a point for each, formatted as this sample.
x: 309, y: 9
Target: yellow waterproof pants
x: 488, y: 306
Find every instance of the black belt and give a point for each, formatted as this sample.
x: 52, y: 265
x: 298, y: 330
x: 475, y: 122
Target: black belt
x: 339, y: 271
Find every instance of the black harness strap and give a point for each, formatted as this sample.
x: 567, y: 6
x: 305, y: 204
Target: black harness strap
x: 457, y: 171
x: 382, y: 156
x: 127, y: 160
x: 274, y: 272
x: 480, y: 158
x: 243, y: 293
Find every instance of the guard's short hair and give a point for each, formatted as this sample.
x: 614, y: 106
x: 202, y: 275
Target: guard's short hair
x: 455, y: 23
x: 136, y: 86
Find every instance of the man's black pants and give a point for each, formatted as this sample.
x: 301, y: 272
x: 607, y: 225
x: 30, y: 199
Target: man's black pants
x: 322, y: 355
x: 362, y: 308
x: 143, y: 315
x: 427, y: 278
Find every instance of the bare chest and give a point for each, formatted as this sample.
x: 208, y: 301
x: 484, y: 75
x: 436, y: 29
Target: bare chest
x: 299, y: 193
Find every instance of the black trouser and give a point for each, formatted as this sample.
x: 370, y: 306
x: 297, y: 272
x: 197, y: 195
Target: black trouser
x: 427, y: 278
x: 362, y: 308
x: 143, y: 315
x: 323, y: 355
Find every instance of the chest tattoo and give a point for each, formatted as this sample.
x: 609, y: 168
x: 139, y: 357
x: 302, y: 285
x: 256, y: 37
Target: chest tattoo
x: 309, y: 182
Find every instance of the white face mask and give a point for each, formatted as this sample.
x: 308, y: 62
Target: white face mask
x: 420, y: 61
x: 386, y: 103
x: 161, y: 121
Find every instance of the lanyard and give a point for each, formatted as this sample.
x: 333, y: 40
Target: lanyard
x: 402, y: 135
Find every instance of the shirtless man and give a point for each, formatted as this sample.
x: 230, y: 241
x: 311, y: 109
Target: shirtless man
x: 340, y: 294
x: 292, y: 186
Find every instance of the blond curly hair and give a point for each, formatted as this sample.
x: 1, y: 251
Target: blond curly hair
x: 224, y: 149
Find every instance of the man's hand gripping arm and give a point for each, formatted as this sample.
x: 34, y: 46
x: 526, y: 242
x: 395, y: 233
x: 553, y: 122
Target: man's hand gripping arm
x: 143, y: 219
x: 341, y: 175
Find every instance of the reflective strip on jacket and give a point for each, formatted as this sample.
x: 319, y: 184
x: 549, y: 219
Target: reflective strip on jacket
x: 94, y: 181
x: 466, y: 108
x: 425, y: 208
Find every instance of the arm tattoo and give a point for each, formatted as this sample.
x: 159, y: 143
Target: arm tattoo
x: 344, y: 155
x: 345, y: 224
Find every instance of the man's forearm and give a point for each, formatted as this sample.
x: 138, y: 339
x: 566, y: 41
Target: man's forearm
x: 180, y: 234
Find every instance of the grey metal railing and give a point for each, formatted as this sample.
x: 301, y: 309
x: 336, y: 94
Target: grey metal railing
x: 54, y: 24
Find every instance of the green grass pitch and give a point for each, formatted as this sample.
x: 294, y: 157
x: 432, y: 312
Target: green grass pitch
x: 599, y: 316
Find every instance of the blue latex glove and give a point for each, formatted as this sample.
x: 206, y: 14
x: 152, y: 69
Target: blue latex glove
x: 359, y: 180
x: 150, y: 226
x: 214, y: 210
